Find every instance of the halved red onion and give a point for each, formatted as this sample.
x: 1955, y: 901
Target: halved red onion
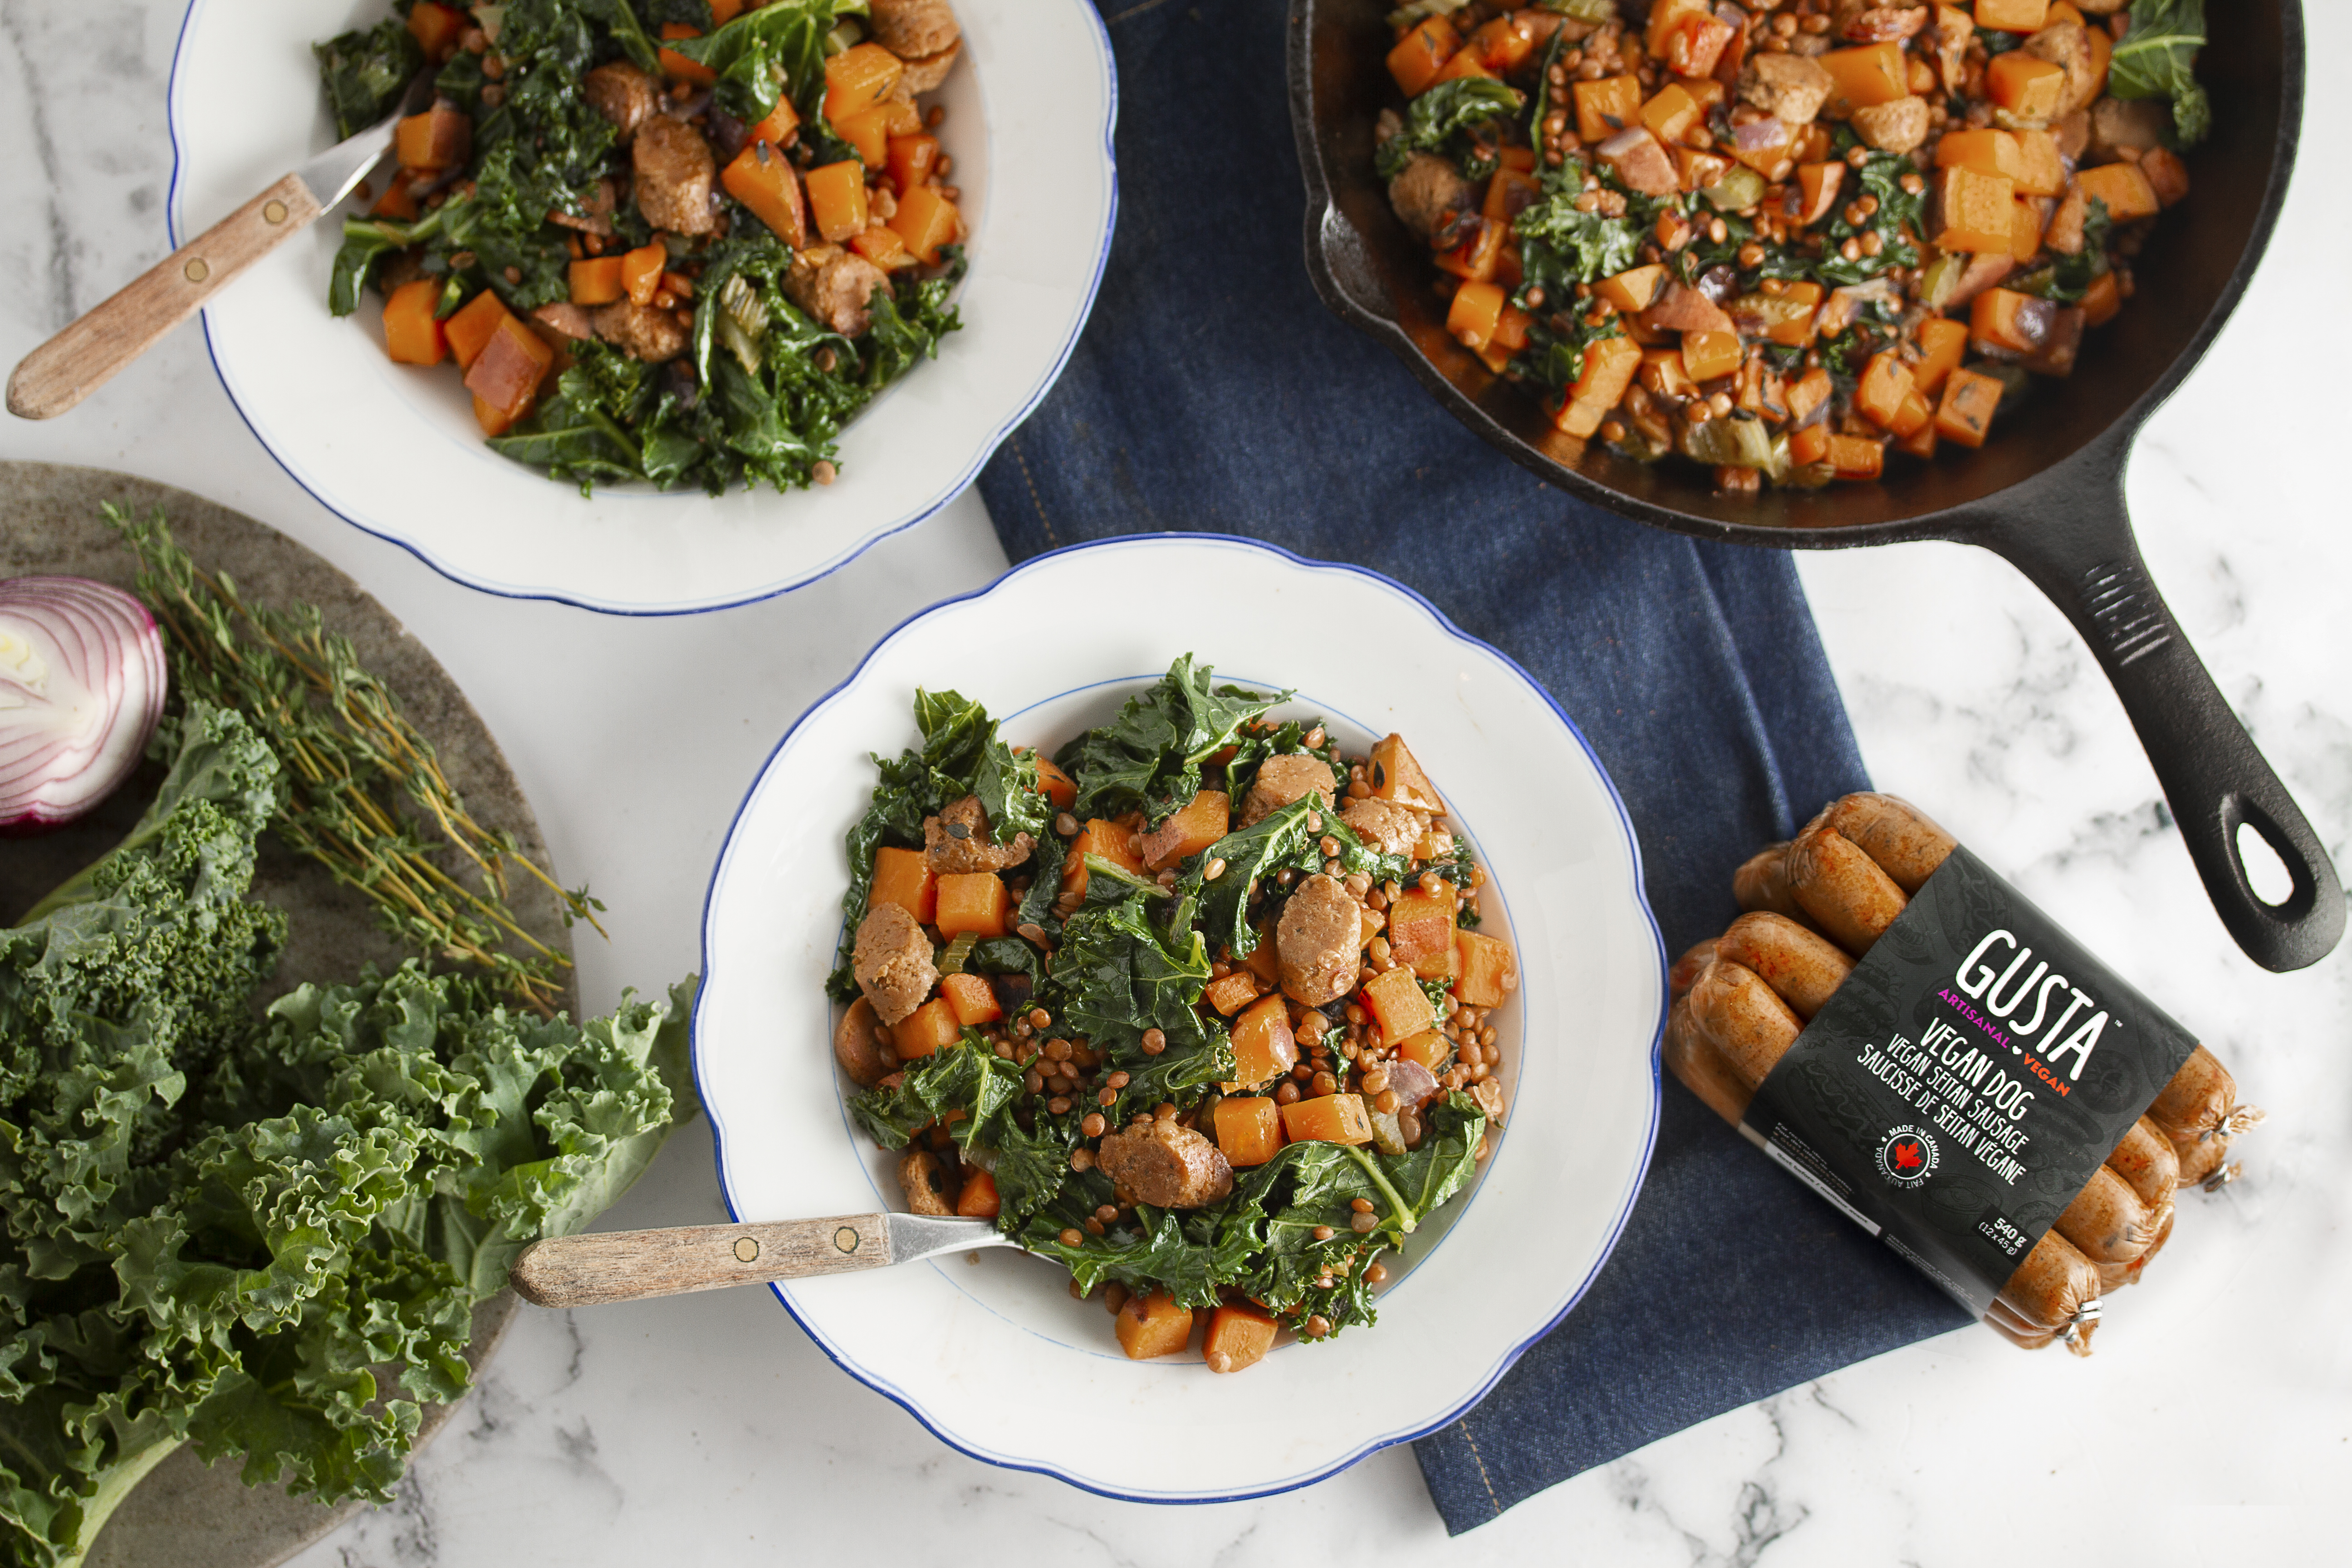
x: 81, y: 686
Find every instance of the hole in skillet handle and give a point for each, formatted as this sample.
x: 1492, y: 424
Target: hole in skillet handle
x: 2263, y: 868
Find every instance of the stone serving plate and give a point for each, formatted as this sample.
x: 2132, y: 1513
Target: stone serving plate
x: 185, y: 1514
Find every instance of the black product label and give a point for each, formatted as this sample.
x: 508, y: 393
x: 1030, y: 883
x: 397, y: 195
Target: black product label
x: 1956, y: 1093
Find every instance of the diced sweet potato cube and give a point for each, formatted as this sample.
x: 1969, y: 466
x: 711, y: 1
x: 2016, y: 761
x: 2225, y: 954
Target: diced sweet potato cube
x: 1502, y: 43
x: 1112, y: 841
x: 494, y: 421
x: 1429, y: 1048
x: 973, y: 999
x: 1264, y: 1046
x: 1420, y: 933
x: 1264, y: 960
x: 1988, y: 151
x: 1864, y: 77
x: 1422, y: 53
x: 1331, y: 1119
x: 506, y: 373
x: 1965, y: 413
x: 440, y: 138
x: 2028, y: 87
x: 912, y: 159
x: 977, y: 1199
x: 1694, y: 44
x: 926, y: 220
x: 973, y: 901
x: 1809, y: 391
x: 469, y: 327
x: 436, y: 29
x: 1487, y: 973
x: 1605, y: 107
x: 1817, y: 190
x: 1670, y: 113
x: 837, y: 200
x: 1664, y: 14
x: 1633, y: 289
x: 1476, y: 311
x: 2040, y: 172
x: 1639, y: 163
x: 1391, y: 769
x: 859, y: 78
x: 1059, y: 787
x: 1856, y: 457
x: 763, y: 180
x: 929, y: 1027
x: 2013, y: 15
x: 1609, y: 367
x: 1229, y: 993
x: 1976, y: 210
x: 2121, y: 186
x: 1663, y: 373
x: 1709, y: 356
x: 1808, y: 447
x: 2102, y: 301
x: 2005, y: 319
x: 1915, y: 414
x: 1397, y: 1000
x: 642, y: 269
x: 2025, y: 230
x: 781, y: 125
x: 1192, y: 827
x: 677, y: 66
x: 1249, y: 1129
x: 1237, y: 1337
x: 1153, y: 1325
x: 2166, y: 174
x: 1942, y: 342
x: 411, y: 335
x: 596, y: 281
x: 1884, y: 383
x: 880, y: 245
x: 1920, y: 443
x: 903, y: 876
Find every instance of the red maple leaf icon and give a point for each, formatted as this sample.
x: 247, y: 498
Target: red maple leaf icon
x: 1907, y: 1155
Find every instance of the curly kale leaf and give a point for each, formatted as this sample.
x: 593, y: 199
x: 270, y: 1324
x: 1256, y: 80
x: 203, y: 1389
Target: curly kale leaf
x: 1150, y: 758
x: 1117, y: 976
x: 364, y: 73
x: 2157, y: 58
x: 1443, y: 120
x: 1899, y: 212
x: 777, y: 49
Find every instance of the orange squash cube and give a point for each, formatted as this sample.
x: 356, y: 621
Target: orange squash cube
x: 881, y: 246
x: 1996, y: 317
x: 2041, y: 171
x: 1485, y: 971
x: 1632, y: 290
x: 1229, y: 993
x: 1708, y: 355
x: 1988, y: 151
x: 1153, y: 1325
x: 763, y: 179
x: 677, y: 66
x: 1332, y: 1119
x: 1817, y: 190
x: 1263, y: 1048
x: 1466, y: 62
x: 1808, y: 446
x: 411, y: 335
x: 1190, y: 829
x: 1237, y: 1337
x: 506, y: 372
x: 1059, y: 787
x: 782, y: 126
x: 1966, y: 413
x: 1478, y: 258
x: 1942, y: 342
x: 1694, y: 43
x: 1393, y: 773
x: 1502, y: 43
x: 973, y: 901
x: 1856, y: 457
x: 903, y: 876
x: 836, y: 199
x: 1670, y: 113
x: 1422, y: 53
x: 2121, y: 186
x: 1976, y: 210
x: 1796, y: 329
x: 912, y: 159
x: 596, y: 281
x: 1809, y: 391
x: 926, y: 220
x: 1114, y: 842
x: 2028, y: 87
x: 436, y: 29
x: 2102, y: 301
x: 1429, y: 1048
x: 2025, y: 230
x: 1915, y: 414
x: 1249, y: 1129
x: 1884, y: 383
x: 929, y: 1027
x: 1920, y: 443
x: 440, y: 138
x: 1865, y: 78
x: 868, y: 130
x: 1397, y: 1000
x: 1605, y: 107
x: 857, y: 79
x: 1769, y: 147
x: 1476, y: 310
x: 978, y: 1199
x: 1609, y: 367
x: 1420, y: 933
x: 1663, y: 373
x: 972, y: 996
x: 494, y: 421
x: 2013, y: 15
x: 1663, y: 16
x: 641, y: 271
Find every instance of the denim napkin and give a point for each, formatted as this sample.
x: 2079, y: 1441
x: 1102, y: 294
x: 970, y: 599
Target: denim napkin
x: 1213, y: 391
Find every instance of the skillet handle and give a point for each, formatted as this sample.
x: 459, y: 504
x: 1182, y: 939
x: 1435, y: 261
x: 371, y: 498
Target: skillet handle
x: 2076, y: 543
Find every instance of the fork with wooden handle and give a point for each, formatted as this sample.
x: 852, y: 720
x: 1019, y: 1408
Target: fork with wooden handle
x: 630, y: 1265
x: 85, y: 357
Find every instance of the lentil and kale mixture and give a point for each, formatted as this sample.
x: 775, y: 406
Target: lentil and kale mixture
x: 684, y: 243
x: 1779, y: 238
x: 1197, y: 1007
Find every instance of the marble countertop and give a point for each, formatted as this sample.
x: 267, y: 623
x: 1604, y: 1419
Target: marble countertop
x: 709, y: 1430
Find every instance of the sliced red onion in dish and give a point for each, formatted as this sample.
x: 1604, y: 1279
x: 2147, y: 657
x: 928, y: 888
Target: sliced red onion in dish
x: 81, y: 686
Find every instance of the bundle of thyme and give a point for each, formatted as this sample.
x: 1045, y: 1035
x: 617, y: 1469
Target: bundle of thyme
x: 366, y: 796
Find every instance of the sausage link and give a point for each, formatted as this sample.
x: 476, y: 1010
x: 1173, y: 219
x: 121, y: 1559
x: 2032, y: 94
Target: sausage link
x: 1893, y: 833
x: 2200, y: 1103
x: 1842, y: 890
x: 2106, y: 1222
x: 2145, y: 1159
x: 2205, y: 1162
x: 1733, y: 1011
x: 1702, y: 1068
x: 1802, y: 968
x: 2113, y: 1277
x: 1688, y: 967
x: 2055, y: 1288
x: 1762, y: 882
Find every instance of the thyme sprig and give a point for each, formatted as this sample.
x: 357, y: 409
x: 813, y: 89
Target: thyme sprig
x: 350, y: 759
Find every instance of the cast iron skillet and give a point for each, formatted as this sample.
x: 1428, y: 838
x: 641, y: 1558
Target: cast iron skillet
x: 2046, y: 493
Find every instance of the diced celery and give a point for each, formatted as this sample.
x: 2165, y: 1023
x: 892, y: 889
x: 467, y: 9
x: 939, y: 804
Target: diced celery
x: 1740, y: 187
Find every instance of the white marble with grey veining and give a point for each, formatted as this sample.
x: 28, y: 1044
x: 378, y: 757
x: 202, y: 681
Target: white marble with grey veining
x: 2217, y: 1416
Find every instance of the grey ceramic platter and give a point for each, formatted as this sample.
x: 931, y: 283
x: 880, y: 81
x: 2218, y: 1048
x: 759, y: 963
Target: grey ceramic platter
x: 185, y: 1514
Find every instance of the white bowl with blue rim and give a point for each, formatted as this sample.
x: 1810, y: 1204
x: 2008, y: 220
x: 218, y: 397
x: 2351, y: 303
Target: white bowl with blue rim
x: 995, y: 1356
x: 396, y: 451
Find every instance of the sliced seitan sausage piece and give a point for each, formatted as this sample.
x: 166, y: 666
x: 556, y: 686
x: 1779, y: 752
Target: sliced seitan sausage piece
x: 925, y: 1183
x: 834, y: 285
x: 892, y: 961
x: 1165, y: 1165
x: 674, y: 171
x: 1432, y: 199
x: 1384, y: 824
x: 911, y: 29
x: 1790, y: 88
x: 651, y: 335
x: 924, y: 73
x: 564, y: 317
x: 1319, y: 942
x: 622, y: 94
x: 1281, y: 780
x: 856, y: 1050
x: 958, y: 840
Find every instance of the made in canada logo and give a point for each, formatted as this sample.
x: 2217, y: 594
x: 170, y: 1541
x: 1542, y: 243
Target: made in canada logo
x: 1907, y: 1156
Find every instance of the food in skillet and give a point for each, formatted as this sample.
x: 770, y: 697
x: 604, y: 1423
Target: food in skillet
x: 1198, y: 1008
x: 1779, y: 238
x: 685, y: 248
